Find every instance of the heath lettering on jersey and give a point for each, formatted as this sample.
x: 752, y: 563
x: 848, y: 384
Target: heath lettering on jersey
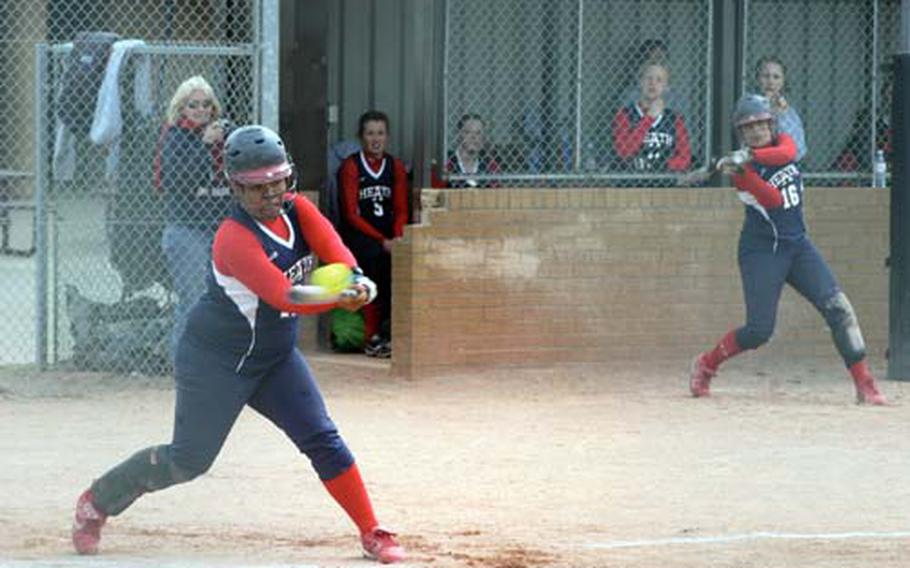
x: 784, y: 176
x: 298, y: 271
x: 658, y: 139
x: 375, y: 192
x: 656, y: 149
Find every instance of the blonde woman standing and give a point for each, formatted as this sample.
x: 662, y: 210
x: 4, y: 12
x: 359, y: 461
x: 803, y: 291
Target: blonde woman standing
x: 189, y: 173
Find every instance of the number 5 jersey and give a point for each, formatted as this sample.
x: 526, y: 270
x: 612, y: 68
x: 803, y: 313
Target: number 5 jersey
x: 374, y: 201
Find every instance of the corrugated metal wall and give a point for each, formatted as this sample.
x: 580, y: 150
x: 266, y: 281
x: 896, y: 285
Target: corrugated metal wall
x: 389, y: 55
x: 383, y: 54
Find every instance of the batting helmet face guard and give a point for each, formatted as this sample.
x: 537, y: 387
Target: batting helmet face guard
x: 255, y: 155
x: 752, y: 108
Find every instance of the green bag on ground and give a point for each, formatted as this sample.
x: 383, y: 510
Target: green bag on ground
x: 347, y: 330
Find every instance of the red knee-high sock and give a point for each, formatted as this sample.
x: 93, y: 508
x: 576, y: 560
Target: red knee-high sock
x: 349, y: 491
x: 371, y: 317
x: 725, y: 348
x: 860, y: 371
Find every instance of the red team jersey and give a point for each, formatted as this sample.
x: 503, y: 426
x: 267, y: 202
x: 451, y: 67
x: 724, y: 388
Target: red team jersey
x: 245, y: 311
x: 649, y: 144
x: 374, y: 199
x: 772, y: 189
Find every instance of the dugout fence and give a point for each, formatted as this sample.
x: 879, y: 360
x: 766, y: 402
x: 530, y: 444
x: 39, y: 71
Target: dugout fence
x: 86, y: 280
x: 549, y: 76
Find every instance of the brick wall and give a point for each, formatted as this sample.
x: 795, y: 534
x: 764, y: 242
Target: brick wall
x: 528, y: 277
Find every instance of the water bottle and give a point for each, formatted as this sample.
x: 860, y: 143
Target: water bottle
x: 590, y: 158
x: 879, y: 170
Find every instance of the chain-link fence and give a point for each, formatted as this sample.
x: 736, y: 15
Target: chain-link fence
x: 112, y: 170
x: 833, y: 56
x: 552, y: 86
x: 547, y: 88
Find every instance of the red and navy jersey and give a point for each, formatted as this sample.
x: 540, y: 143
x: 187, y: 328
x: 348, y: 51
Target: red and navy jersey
x: 244, y: 312
x: 485, y: 165
x: 771, y: 186
x: 374, y: 201
x: 649, y: 144
x: 374, y: 193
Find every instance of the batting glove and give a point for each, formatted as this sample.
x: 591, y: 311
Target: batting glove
x: 359, y: 278
x: 734, y: 162
x: 725, y: 165
x: 742, y: 156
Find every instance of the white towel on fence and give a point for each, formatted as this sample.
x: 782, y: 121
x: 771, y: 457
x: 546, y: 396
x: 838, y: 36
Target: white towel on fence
x: 107, y: 122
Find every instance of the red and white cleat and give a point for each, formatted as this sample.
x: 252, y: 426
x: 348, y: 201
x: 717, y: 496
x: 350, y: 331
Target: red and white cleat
x: 867, y: 391
x: 380, y: 544
x: 700, y: 379
x: 87, y: 524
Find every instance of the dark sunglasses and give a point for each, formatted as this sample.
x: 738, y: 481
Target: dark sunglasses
x: 196, y: 104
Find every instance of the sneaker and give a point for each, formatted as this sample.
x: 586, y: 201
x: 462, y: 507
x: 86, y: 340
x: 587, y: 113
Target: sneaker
x: 380, y: 544
x: 87, y: 524
x: 867, y: 391
x: 700, y: 379
x: 385, y: 350
x: 378, y: 347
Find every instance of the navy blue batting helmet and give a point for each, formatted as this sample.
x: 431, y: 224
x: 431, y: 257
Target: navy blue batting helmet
x: 751, y: 108
x: 255, y: 154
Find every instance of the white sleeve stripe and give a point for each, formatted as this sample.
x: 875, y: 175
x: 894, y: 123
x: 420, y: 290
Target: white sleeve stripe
x: 246, y: 301
x: 750, y: 200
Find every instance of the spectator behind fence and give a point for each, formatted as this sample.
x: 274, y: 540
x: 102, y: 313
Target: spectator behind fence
x: 189, y: 173
x: 470, y: 156
x: 650, y: 50
x: 374, y: 210
x: 771, y: 78
x: 648, y: 135
x: 856, y: 155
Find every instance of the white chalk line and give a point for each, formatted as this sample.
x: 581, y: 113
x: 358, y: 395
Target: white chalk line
x: 684, y: 540
x: 95, y: 562
x: 672, y: 541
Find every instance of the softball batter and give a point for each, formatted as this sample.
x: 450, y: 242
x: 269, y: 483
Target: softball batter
x: 238, y: 349
x: 775, y: 249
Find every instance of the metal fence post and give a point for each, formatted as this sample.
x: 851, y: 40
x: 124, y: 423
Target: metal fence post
x: 899, y: 287
x: 41, y: 284
x: 268, y: 31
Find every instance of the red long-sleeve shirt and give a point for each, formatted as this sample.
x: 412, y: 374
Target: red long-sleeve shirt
x: 628, y: 138
x: 237, y: 253
x: 779, y: 154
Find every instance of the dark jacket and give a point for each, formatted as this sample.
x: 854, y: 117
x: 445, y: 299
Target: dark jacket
x: 195, y: 192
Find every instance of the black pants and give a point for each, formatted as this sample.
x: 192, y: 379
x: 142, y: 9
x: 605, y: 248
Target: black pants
x: 378, y: 267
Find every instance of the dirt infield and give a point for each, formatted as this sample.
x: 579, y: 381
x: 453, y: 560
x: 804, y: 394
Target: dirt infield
x: 587, y: 467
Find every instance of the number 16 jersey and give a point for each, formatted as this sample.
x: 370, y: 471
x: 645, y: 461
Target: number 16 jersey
x: 785, y: 222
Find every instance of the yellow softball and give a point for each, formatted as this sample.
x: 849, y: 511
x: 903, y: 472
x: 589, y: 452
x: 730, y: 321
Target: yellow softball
x: 335, y: 278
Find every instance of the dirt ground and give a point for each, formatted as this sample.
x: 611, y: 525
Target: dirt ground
x: 580, y: 466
